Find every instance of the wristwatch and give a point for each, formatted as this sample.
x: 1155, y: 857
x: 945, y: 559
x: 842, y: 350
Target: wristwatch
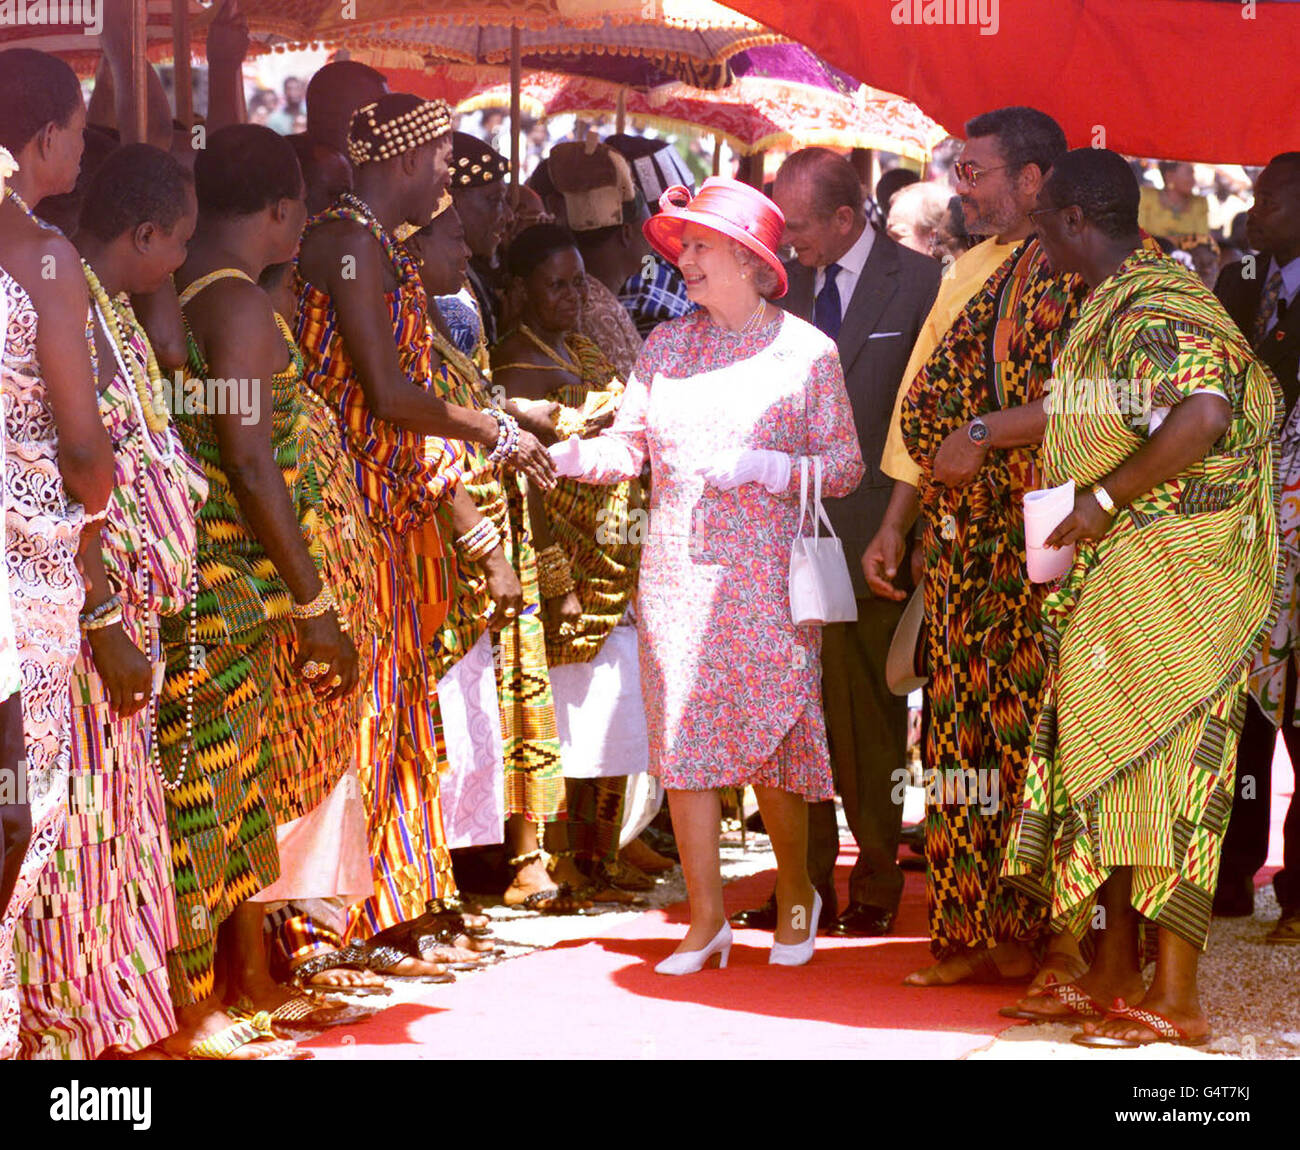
x: 1104, y: 501
x: 978, y: 431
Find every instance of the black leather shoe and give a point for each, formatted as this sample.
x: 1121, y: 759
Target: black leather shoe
x: 757, y: 917
x: 764, y: 917
x: 862, y: 921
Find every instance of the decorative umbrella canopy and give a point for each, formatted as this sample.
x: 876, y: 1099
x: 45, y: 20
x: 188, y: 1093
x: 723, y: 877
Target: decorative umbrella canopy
x: 753, y: 113
x: 1182, y: 79
x: 643, y: 43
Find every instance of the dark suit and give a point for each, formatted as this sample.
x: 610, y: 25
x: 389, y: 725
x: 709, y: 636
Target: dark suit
x: 866, y: 723
x: 1245, y: 845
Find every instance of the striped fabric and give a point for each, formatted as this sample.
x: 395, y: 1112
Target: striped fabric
x: 401, y: 488
x: 1152, y: 631
x: 600, y: 528
x: 314, y: 743
x: 982, y: 615
x: 92, y: 947
x: 222, y: 831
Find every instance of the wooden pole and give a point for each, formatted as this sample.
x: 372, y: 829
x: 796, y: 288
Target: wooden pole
x: 182, y: 78
x: 516, y: 82
x: 620, y: 115
x: 717, y: 154
x: 137, y: 131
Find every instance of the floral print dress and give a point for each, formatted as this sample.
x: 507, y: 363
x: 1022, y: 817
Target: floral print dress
x: 732, y: 687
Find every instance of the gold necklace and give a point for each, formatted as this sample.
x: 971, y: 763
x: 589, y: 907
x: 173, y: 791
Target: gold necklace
x: 550, y: 352
x: 148, y: 382
x: 465, y: 367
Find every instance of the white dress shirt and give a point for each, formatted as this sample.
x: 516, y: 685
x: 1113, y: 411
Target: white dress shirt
x: 1290, y: 286
x: 851, y: 264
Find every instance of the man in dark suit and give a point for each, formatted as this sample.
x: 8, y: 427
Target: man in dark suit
x: 871, y: 296
x: 1262, y: 294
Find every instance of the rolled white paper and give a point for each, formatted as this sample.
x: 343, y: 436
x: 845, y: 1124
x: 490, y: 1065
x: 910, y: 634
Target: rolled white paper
x: 1044, y: 511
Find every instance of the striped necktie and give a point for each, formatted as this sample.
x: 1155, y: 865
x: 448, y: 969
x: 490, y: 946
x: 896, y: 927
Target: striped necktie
x: 1267, y: 306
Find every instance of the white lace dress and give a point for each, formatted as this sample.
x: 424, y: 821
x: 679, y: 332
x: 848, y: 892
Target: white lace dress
x: 45, y: 595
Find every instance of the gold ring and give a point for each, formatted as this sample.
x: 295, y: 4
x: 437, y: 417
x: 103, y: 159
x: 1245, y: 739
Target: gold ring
x: 314, y: 670
x: 336, y: 681
x: 511, y: 612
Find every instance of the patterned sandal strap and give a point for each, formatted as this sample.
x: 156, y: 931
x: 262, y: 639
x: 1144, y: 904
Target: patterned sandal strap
x: 1157, y: 1023
x: 1069, y: 995
x: 350, y: 957
x: 225, y: 1042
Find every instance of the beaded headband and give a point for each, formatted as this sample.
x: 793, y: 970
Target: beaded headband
x: 371, y: 138
x: 406, y: 231
x: 474, y: 164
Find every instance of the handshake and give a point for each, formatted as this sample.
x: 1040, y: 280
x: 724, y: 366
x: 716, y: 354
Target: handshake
x: 576, y: 457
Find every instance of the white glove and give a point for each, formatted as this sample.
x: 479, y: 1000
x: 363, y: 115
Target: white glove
x: 732, y: 468
x: 567, y: 456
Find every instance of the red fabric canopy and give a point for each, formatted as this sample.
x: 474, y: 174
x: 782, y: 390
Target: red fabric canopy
x: 1177, y: 79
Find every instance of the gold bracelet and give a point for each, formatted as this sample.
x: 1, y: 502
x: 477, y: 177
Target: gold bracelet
x: 323, y: 603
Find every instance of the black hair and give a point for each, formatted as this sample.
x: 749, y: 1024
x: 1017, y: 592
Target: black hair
x: 533, y: 246
x: 136, y: 184
x: 1101, y: 183
x: 243, y: 169
x: 36, y: 89
x: 334, y: 93
x: 1286, y: 163
x: 1025, y: 136
x: 890, y: 182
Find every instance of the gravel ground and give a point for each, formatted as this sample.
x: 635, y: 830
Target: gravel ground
x: 1250, y: 989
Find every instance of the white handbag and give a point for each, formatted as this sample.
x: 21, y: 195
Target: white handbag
x: 821, y: 590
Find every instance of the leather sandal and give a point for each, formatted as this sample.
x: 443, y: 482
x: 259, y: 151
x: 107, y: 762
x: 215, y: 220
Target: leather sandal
x: 1078, y: 1003
x: 1158, y: 1024
x: 302, y: 974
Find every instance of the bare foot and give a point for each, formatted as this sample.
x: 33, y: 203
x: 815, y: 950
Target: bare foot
x: 343, y: 978
x: 1186, y: 1016
x: 646, y: 858
x: 194, y: 1024
x: 1101, y: 987
x: 1009, y: 961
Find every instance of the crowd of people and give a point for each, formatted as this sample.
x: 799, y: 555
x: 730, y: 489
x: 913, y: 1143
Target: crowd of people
x: 363, y: 510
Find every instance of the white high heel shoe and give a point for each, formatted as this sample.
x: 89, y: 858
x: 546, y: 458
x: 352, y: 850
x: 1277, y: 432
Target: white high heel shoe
x: 690, y: 961
x: 798, y: 953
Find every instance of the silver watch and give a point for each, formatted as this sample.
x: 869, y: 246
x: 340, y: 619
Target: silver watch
x: 978, y: 431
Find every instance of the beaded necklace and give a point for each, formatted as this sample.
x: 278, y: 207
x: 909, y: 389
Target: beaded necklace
x: 145, y: 571
x: 22, y: 204
x: 147, y: 382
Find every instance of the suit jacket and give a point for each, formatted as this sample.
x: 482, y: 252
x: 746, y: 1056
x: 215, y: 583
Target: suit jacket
x: 1240, y: 298
x: 893, y: 296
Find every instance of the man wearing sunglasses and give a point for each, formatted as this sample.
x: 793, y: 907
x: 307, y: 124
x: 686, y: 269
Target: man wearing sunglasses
x: 962, y: 451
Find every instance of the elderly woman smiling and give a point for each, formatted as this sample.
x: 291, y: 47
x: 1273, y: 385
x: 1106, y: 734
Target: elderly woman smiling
x: 722, y: 403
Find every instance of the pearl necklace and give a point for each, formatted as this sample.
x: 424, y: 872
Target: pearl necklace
x: 145, y: 585
x: 755, y: 321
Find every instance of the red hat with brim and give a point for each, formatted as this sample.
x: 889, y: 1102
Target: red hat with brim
x: 736, y: 210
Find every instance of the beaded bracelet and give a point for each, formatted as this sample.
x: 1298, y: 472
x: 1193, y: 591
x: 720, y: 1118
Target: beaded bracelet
x: 507, y: 435
x: 112, y: 603
x: 478, y: 542
x: 554, y: 575
x: 317, y: 607
x: 107, y: 619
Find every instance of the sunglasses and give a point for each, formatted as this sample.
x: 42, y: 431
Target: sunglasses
x: 968, y: 173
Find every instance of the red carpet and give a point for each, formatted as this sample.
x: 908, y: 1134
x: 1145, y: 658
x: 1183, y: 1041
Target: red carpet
x: 599, y: 998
